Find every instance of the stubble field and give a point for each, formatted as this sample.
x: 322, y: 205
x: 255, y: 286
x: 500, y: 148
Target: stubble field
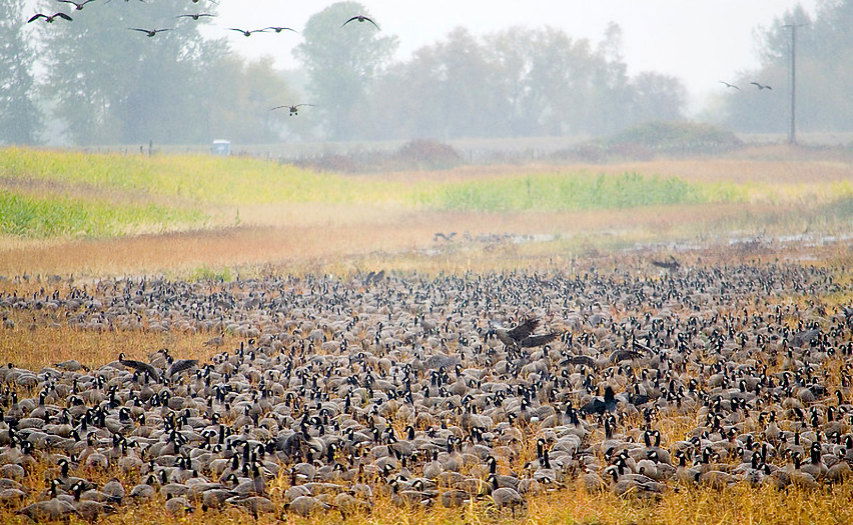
x: 284, y: 261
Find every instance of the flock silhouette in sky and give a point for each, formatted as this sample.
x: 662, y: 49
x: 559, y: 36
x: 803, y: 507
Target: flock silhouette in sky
x: 151, y: 33
x: 759, y: 85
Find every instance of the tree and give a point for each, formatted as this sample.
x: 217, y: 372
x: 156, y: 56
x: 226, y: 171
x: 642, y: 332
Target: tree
x: 518, y: 82
x: 239, y: 108
x: 20, y: 120
x: 342, y: 63
x: 114, y: 85
x: 824, y: 75
x: 657, y: 97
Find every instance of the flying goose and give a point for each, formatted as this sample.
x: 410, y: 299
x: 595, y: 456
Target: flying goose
x: 294, y: 110
x: 195, y: 16
x: 49, y: 18
x: 139, y: 366
x: 247, y: 32
x: 360, y: 18
x: 149, y: 32
x: 78, y: 6
x: 279, y: 29
x: 520, y: 336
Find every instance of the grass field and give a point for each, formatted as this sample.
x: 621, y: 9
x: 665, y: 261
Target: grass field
x: 65, y: 212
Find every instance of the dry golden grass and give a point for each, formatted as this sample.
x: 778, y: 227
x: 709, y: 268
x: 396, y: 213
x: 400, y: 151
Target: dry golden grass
x: 682, y: 506
x: 34, y: 343
x: 349, y: 237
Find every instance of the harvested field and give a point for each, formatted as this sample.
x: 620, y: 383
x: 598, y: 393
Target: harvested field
x: 350, y: 359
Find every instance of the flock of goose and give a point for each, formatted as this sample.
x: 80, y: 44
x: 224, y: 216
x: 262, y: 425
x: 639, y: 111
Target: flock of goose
x: 150, y: 33
x: 338, y: 391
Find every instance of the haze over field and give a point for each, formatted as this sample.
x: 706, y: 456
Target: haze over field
x: 429, y: 70
x: 699, y: 42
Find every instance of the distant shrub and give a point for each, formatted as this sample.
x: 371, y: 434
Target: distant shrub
x: 584, y: 152
x: 427, y: 154
x: 675, y: 138
x: 646, y: 141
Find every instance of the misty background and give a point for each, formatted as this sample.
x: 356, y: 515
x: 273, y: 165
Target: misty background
x: 94, y: 82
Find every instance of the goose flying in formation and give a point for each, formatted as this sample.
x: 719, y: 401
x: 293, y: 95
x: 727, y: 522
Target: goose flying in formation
x: 148, y: 32
x: 49, y: 18
x: 78, y: 6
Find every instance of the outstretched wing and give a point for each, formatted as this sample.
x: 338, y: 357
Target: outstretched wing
x: 523, y: 330
x: 539, y: 340
x: 579, y: 360
x: 181, y: 365
x: 372, y: 22
x: 350, y: 20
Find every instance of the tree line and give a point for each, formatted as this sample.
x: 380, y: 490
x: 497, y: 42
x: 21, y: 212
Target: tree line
x: 92, y: 81
x: 516, y: 82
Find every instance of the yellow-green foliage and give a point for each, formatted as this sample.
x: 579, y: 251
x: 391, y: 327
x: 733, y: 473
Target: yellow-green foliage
x: 570, y: 191
x: 51, y: 216
x: 202, y: 178
x: 188, y: 189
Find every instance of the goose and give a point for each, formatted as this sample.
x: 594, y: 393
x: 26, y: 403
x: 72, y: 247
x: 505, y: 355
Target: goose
x: 671, y: 264
x: 50, y: 510
x: 254, y: 505
x: 150, y: 33
x: 178, y: 506
x: 293, y: 110
x: 760, y: 86
x: 360, y: 18
x: 601, y: 405
x: 78, y: 6
x: 144, y: 491
x: 279, y: 29
x: 306, y: 505
x: 195, y: 16
x: 247, y: 32
x: 520, y: 335
x: 49, y: 19
x: 506, y: 497
x: 180, y: 365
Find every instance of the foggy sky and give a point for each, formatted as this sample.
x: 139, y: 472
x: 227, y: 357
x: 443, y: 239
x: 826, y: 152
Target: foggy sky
x: 699, y: 41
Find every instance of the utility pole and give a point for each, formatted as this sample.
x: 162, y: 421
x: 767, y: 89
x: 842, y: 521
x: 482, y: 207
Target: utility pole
x: 792, y: 132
